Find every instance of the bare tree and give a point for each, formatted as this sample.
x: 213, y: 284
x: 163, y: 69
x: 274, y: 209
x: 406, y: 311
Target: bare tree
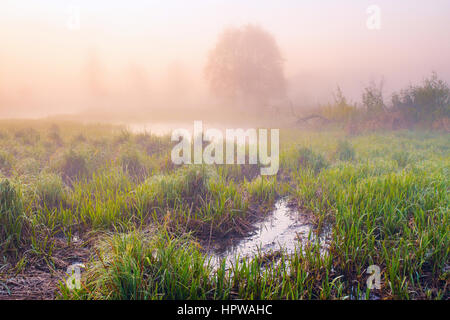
x: 246, y: 66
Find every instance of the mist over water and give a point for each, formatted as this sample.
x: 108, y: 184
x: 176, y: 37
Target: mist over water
x: 144, y: 61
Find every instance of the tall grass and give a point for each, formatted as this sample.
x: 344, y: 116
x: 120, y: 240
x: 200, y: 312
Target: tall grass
x: 11, y: 218
x: 376, y: 198
x: 148, y: 265
x: 50, y: 190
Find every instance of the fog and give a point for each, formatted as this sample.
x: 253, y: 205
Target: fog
x: 143, y: 60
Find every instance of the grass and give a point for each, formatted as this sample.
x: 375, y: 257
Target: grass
x: 345, y: 151
x: 381, y: 198
x: 50, y: 190
x: 11, y: 218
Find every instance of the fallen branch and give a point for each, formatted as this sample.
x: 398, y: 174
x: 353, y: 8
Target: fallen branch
x: 300, y: 120
x: 312, y: 116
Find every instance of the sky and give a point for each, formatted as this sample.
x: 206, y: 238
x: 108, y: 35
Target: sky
x: 135, y: 52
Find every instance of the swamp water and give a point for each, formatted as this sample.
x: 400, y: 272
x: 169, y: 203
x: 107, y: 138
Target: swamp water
x: 282, y: 230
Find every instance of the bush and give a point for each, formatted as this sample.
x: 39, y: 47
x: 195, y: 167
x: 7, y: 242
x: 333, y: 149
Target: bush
x: 11, y: 210
x: 340, y: 110
x: 427, y: 102
x: 372, y: 99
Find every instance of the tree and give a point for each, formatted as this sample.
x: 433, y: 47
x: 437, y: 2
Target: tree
x: 372, y: 99
x: 427, y: 102
x: 246, y: 66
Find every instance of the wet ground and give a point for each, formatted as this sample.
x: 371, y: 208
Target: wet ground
x: 284, y: 229
x: 40, y: 278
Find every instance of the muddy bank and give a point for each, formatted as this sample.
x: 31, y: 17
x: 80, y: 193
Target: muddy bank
x: 40, y: 278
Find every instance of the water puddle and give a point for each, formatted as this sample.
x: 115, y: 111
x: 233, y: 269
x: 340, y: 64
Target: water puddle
x: 282, y: 230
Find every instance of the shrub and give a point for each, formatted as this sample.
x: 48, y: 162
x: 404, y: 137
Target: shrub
x: 372, y: 99
x: 427, y: 102
x: 340, y: 109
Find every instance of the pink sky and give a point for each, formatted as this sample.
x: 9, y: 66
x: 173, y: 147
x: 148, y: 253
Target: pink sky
x: 133, y: 45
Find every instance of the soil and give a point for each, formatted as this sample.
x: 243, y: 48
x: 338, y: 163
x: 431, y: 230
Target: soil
x: 40, y: 278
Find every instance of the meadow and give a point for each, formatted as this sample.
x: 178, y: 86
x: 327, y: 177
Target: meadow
x: 143, y: 227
